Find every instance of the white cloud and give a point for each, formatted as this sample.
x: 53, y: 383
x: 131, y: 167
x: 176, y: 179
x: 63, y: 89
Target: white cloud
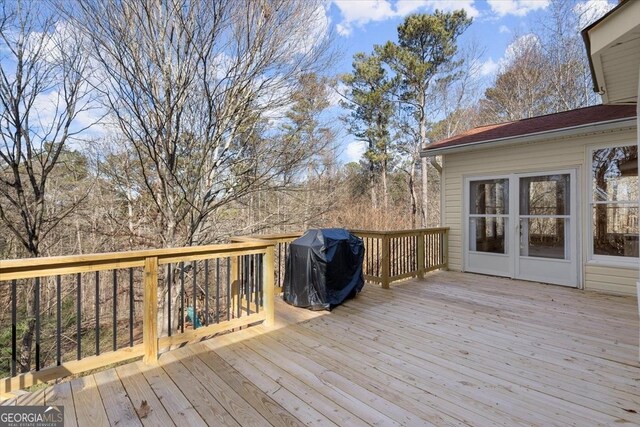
x: 516, y: 7
x: 405, y: 7
x: 504, y: 29
x: 451, y: 5
x: 319, y: 23
x: 519, y: 46
x: 488, y: 67
x: 591, y: 10
x: 360, y: 13
x: 355, y: 150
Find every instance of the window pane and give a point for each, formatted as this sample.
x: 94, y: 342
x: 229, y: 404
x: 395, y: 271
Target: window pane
x: 544, y: 195
x: 489, y: 197
x: 543, y: 237
x: 615, y: 230
x: 615, y: 174
x: 489, y: 235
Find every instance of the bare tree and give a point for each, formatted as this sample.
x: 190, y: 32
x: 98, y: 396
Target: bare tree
x: 192, y: 85
x: 42, y: 93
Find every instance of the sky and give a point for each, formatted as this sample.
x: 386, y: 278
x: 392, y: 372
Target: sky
x: 358, y: 25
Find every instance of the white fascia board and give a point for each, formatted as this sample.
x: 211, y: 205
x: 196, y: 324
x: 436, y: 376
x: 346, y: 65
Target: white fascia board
x: 549, y: 135
x: 621, y: 23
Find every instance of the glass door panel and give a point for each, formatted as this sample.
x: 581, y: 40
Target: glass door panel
x: 544, y: 237
x: 487, y: 234
x: 488, y: 215
x: 545, y: 195
x: 544, y: 216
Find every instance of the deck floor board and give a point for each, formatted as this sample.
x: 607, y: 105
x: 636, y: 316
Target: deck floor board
x: 454, y: 349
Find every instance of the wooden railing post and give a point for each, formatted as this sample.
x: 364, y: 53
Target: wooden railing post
x: 235, y: 285
x: 269, y: 287
x: 386, y: 261
x: 420, y: 254
x: 150, y: 317
x: 445, y: 249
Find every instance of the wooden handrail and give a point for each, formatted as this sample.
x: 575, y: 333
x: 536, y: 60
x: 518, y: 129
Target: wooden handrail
x: 40, y: 267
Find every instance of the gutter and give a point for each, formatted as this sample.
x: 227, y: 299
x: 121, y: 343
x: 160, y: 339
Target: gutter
x: 535, y: 137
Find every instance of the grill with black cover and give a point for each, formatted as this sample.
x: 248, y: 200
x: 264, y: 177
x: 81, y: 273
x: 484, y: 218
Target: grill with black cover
x: 323, y: 269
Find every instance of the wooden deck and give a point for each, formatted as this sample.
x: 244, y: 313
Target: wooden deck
x: 454, y: 349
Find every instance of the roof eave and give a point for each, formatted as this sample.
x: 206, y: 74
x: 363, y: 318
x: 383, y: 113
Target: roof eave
x: 597, y: 86
x: 590, y: 128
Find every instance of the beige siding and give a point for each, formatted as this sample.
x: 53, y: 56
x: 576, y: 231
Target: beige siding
x: 615, y: 280
x: 540, y: 156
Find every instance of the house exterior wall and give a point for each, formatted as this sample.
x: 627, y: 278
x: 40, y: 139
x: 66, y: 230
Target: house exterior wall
x: 559, y: 154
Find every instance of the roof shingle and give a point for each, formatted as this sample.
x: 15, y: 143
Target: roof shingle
x: 534, y: 125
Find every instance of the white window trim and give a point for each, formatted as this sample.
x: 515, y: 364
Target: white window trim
x: 604, y: 260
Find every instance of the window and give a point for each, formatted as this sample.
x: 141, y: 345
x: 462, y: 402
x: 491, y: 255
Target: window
x: 614, y: 201
x: 488, y: 215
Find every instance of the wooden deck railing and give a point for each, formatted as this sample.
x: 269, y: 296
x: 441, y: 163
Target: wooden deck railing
x: 129, y: 304
x: 90, y: 311
x: 390, y: 256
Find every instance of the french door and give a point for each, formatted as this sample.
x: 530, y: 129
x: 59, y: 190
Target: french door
x: 523, y: 226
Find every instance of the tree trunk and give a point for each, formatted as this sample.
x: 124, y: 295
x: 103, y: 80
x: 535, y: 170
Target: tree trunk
x: 372, y: 184
x: 385, y: 192
x: 425, y: 191
x: 412, y: 192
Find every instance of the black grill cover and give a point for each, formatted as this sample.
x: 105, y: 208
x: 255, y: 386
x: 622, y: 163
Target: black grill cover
x: 324, y: 268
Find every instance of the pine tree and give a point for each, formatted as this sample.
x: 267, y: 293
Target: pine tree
x: 424, y: 56
x: 371, y: 109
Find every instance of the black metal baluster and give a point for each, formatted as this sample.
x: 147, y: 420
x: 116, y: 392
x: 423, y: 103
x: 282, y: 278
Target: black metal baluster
x: 181, y: 297
x: 195, y: 293
x: 261, y: 279
x: 37, y: 313
x: 131, y: 307
x: 97, y: 313
x: 115, y: 310
x: 169, y: 286
x: 229, y: 289
x: 14, y: 321
x: 206, y: 292
x: 249, y: 280
x: 279, y: 262
x: 240, y: 286
x: 58, y: 320
x: 79, y: 315
x: 217, y: 317
x: 257, y: 282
